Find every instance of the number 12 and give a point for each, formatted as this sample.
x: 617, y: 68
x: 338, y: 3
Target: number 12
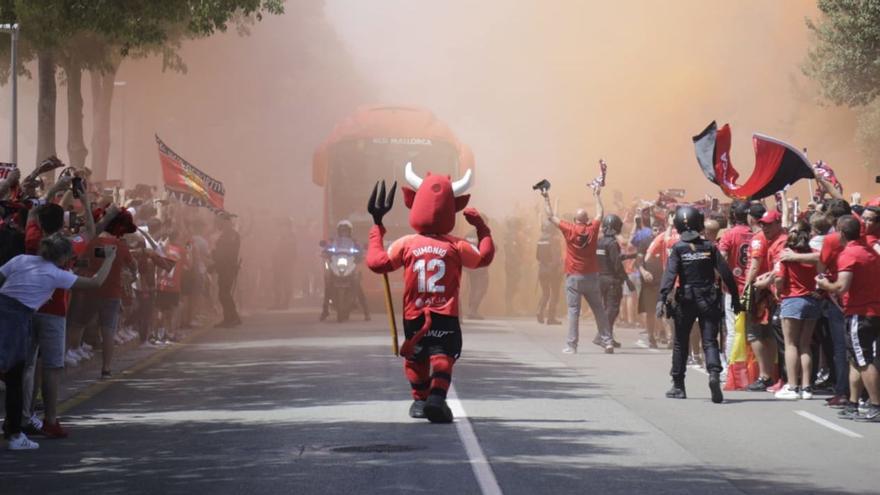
x: 429, y: 285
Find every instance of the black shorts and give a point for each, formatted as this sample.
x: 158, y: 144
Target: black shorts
x: 444, y: 337
x: 166, y: 301
x: 862, y: 333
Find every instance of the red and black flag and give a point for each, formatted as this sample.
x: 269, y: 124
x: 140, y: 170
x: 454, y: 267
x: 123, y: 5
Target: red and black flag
x: 777, y: 164
x: 186, y: 183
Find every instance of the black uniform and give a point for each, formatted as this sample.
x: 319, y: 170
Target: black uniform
x: 226, y: 262
x: 612, y: 276
x: 698, y: 296
x: 548, y: 253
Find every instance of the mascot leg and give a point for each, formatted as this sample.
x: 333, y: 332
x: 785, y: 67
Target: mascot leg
x: 436, y: 409
x: 420, y: 382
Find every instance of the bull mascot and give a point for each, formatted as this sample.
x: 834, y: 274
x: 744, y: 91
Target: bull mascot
x: 432, y: 261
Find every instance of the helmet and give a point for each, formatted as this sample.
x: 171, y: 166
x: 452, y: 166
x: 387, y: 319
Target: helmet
x: 688, y: 222
x: 611, y: 224
x: 344, y: 224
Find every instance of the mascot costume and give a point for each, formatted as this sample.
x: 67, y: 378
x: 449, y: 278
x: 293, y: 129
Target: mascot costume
x: 432, y: 261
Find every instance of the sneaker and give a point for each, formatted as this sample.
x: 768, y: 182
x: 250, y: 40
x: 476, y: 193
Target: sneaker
x: 417, y: 409
x: 850, y: 411
x: 437, y: 411
x: 715, y: 387
x: 54, y: 430
x: 80, y: 354
x: 807, y: 393
x: 691, y: 361
x: 863, y: 406
x: 71, y: 359
x: 597, y: 341
x: 652, y: 344
x: 540, y: 318
x: 776, y: 387
x: 609, y: 349
x: 615, y: 343
x: 21, y: 442
x: 32, y: 426
x: 787, y: 392
x: 676, y: 392
x: 759, y: 385
x: 871, y: 414
x: 87, y: 348
x: 570, y: 349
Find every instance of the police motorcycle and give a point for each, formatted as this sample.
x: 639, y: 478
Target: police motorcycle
x: 341, y: 275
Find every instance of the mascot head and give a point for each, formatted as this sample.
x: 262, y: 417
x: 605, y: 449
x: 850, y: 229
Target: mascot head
x: 434, y: 201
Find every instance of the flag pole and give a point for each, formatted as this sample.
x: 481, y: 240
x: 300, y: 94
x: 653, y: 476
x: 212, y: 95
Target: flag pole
x: 392, y: 321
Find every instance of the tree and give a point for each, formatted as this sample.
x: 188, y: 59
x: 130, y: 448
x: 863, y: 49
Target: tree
x: 845, y: 61
x: 95, y: 35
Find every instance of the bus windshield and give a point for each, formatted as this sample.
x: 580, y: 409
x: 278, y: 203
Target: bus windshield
x: 356, y: 165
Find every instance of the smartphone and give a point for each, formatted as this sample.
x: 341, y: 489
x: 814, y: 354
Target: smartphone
x: 100, y: 253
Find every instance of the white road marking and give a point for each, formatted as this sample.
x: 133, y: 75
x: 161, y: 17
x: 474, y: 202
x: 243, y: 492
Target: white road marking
x: 480, y: 465
x: 828, y: 424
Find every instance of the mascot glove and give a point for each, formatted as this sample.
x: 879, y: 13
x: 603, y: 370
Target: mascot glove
x: 472, y: 216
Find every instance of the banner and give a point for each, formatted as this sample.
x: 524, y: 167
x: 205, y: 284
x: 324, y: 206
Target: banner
x: 777, y: 164
x: 186, y: 183
x: 5, y: 168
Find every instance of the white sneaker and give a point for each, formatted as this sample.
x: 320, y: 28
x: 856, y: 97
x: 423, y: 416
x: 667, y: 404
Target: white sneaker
x: 570, y: 350
x: 70, y: 358
x: 21, y: 442
x: 807, y: 393
x: 83, y: 354
x: 787, y: 392
x: 87, y: 348
x: 36, y: 422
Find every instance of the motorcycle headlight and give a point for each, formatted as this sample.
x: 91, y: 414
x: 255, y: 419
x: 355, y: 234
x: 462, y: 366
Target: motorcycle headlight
x: 342, y: 263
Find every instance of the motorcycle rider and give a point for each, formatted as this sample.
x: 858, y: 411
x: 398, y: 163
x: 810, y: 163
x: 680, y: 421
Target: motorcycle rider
x: 344, y: 242
x: 612, y: 275
x: 696, y: 264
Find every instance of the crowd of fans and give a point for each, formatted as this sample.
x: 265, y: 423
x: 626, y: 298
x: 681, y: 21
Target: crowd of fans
x: 84, y: 269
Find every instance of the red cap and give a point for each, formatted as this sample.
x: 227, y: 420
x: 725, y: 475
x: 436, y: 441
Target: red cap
x: 770, y: 217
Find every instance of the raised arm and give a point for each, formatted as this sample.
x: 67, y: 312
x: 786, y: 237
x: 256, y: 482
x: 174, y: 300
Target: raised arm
x: 548, y: 208
x: 600, y: 208
x: 485, y: 246
x: 9, y: 182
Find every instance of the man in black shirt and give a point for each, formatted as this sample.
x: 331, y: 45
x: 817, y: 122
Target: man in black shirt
x: 226, y: 264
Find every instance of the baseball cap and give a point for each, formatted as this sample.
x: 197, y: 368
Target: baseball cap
x: 770, y: 217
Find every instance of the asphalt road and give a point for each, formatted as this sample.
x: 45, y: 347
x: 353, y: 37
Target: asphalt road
x: 288, y: 405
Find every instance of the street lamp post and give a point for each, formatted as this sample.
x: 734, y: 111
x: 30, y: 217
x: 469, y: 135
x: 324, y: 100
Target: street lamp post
x: 12, y: 29
x: 122, y: 84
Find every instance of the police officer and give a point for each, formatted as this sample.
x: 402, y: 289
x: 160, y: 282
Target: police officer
x: 696, y: 264
x: 612, y: 275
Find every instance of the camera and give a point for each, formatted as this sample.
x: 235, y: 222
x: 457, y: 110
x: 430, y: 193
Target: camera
x: 542, y: 186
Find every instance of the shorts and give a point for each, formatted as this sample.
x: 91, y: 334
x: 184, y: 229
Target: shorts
x: 166, y: 301
x: 637, y: 282
x: 84, y: 308
x: 444, y: 337
x: 801, y: 308
x: 49, y: 334
x: 861, y: 335
x: 758, y: 331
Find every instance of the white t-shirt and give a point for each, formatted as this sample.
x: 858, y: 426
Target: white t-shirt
x: 31, y: 280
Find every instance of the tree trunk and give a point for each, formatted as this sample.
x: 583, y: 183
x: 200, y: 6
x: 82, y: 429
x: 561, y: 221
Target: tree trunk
x: 102, y: 98
x: 48, y: 95
x: 76, y: 144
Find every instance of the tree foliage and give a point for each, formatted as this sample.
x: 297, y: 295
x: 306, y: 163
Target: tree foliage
x: 845, y: 58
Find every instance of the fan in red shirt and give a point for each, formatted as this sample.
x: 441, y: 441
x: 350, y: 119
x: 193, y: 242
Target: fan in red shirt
x: 800, y: 309
x: 765, y: 250
x: 432, y: 261
x: 734, y: 248
x: 169, y: 285
x: 858, y: 271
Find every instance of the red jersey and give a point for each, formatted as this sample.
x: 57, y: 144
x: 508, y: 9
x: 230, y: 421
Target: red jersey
x: 661, y: 247
x: 58, y: 304
x: 580, y: 247
x: 734, y: 245
x: 432, y: 268
x: 862, y: 298
x: 800, y: 279
x: 169, y: 280
x: 767, y: 252
x: 831, y: 249
x: 112, y: 288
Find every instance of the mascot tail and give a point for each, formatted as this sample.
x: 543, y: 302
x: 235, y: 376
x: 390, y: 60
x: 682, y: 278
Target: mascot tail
x: 407, y: 349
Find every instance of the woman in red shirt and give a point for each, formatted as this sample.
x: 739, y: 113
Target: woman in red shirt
x: 800, y: 309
